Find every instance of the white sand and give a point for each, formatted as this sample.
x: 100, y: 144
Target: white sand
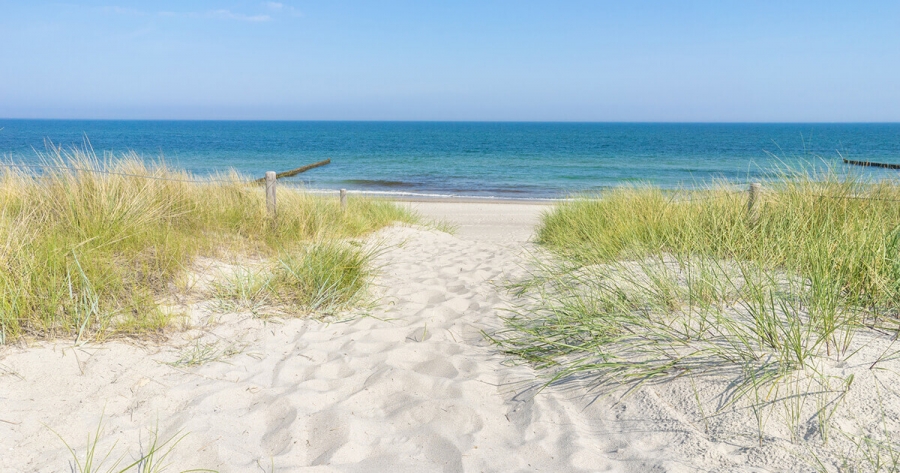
x: 508, y: 222
x: 411, y: 387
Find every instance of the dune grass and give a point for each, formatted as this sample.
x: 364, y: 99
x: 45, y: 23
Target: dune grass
x: 818, y: 257
x: 651, y: 286
x: 89, y: 252
x: 841, y: 233
x: 322, y: 278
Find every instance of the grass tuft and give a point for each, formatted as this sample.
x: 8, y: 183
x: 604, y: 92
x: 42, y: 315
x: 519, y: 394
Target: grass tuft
x: 322, y: 277
x: 201, y: 353
x: 153, y: 459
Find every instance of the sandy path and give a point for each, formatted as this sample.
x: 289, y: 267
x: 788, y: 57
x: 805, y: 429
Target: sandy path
x: 412, y: 387
x: 507, y: 222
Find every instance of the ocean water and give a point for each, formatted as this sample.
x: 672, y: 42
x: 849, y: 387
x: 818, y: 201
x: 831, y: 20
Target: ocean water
x: 490, y: 160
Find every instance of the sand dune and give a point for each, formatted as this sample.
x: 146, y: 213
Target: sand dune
x: 407, y: 385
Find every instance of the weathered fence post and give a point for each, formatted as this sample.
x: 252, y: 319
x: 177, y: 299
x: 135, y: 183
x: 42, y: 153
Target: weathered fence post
x: 270, y: 193
x: 343, y: 199
x: 752, y: 198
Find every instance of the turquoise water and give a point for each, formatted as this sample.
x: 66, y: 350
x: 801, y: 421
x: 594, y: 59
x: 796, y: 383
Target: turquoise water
x: 505, y: 160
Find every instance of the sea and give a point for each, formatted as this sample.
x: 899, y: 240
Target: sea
x: 479, y: 160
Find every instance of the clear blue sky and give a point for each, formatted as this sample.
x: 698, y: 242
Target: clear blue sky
x: 452, y: 60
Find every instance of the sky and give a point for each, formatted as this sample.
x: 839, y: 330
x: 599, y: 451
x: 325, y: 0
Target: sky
x: 657, y: 61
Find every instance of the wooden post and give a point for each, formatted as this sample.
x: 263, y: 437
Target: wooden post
x: 343, y: 199
x: 270, y: 193
x: 752, y: 199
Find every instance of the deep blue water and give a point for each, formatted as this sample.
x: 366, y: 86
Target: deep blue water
x: 510, y: 160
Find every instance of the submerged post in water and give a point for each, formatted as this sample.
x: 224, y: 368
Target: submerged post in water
x: 270, y: 193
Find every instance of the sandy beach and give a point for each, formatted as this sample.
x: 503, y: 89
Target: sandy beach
x: 409, y: 384
x: 453, y: 237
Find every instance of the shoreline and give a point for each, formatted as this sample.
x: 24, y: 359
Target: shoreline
x: 498, y: 221
x: 474, y: 200
x: 451, y: 198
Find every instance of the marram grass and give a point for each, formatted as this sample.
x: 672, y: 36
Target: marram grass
x: 649, y: 286
x: 842, y: 234
x: 818, y: 257
x: 87, y: 254
x: 320, y: 278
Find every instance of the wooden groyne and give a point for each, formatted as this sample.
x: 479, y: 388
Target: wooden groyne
x: 294, y: 172
x: 871, y: 164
